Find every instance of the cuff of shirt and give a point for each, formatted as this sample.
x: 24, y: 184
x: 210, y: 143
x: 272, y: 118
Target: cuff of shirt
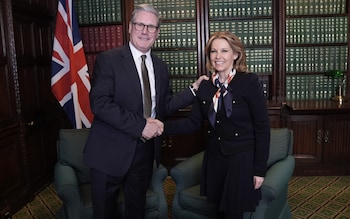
x: 193, y: 90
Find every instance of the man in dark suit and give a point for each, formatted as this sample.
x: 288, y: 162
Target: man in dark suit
x: 123, y: 142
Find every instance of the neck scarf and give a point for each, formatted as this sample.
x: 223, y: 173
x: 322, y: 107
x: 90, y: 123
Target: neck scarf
x: 222, y: 96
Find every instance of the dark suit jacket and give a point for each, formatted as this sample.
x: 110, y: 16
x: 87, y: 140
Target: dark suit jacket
x: 246, y: 128
x: 116, y: 101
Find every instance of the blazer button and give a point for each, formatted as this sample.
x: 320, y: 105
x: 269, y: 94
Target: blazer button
x: 204, y: 102
x: 236, y: 134
x: 217, y: 121
x: 219, y: 138
x: 233, y: 101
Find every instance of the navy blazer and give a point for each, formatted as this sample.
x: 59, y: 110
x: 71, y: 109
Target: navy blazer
x: 246, y: 128
x: 116, y: 101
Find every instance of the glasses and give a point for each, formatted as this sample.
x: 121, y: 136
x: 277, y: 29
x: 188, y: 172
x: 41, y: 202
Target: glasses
x: 141, y: 26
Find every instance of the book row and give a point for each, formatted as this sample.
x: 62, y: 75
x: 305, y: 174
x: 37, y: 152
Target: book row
x: 251, y: 32
x: 101, y: 38
x: 97, y: 12
x: 259, y: 60
x: 311, y: 87
x: 307, y: 30
x: 315, y: 7
x: 180, y: 9
x: 238, y: 8
x: 175, y: 35
x: 180, y: 63
x: 90, y: 61
x: 316, y: 59
x: 179, y: 84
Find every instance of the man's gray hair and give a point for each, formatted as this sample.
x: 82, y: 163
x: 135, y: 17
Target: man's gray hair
x: 147, y: 8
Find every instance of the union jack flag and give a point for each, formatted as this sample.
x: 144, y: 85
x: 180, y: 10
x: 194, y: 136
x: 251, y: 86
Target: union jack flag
x: 70, y: 81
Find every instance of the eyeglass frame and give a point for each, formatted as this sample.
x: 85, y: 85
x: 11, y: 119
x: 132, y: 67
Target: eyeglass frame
x: 139, y: 24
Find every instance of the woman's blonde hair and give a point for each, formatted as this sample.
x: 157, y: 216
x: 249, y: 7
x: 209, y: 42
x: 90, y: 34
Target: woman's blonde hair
x: 240, y: 63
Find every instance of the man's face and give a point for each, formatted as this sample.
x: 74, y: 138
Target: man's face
x: 142, y: 39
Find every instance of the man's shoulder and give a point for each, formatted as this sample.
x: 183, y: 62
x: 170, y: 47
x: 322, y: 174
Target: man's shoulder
x: 120, y: 51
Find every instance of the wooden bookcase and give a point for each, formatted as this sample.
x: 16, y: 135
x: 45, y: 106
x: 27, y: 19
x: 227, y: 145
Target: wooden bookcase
x: 101, y: 26
x: 316, y: 42
x: 290, y: 44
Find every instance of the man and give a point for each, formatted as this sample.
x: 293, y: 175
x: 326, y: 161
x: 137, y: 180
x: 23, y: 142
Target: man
x: 123, y: 142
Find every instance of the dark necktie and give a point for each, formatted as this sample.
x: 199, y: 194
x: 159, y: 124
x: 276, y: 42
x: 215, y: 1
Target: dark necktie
x: 147, y: 102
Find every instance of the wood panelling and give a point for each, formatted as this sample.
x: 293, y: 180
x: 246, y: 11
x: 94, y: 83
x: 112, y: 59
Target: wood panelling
x: 29, y: 115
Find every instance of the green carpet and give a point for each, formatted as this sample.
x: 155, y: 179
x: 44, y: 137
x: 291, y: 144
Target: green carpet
x: 320, y: 197
x: 311, y: 197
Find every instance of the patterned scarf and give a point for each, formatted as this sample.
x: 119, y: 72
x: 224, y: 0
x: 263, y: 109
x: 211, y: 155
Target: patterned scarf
x: 224, y: 93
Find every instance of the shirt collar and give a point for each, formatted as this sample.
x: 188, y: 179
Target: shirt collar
x: 136, y: 53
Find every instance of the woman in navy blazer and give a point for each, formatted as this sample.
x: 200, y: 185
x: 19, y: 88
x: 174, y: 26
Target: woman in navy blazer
x: 122, y: 144
x: 234, y: 163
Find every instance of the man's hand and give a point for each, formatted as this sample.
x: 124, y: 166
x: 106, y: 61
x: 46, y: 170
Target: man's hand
x: 153, y: 128
x: 196, y: 84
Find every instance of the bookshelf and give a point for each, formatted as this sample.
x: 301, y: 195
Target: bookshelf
x: 101, y: 26
x: 290, y: 44
x: 177, y: 44
x: 252, y: 21
x: 316, y: 42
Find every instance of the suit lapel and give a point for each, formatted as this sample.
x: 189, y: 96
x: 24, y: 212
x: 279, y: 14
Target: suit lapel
x: 130, y: 67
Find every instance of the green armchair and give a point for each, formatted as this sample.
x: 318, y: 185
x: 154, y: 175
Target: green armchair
x: 72, y: 181
x: 274, y: 204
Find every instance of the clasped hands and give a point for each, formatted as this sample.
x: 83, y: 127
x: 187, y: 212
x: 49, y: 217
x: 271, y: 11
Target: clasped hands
x: 153, y: 128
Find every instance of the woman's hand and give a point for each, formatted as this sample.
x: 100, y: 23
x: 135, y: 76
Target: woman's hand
x: 258, y: 181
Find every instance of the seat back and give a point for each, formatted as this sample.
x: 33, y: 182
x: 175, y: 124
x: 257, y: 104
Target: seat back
x: 70, y: 147
x: 281, y: 145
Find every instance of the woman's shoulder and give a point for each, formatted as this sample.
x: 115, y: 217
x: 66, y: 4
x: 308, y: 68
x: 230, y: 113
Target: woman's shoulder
x: 206, y: 87
x: 249, y: 75
x: 244, y: 78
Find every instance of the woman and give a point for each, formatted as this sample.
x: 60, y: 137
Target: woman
x: 234, y: 163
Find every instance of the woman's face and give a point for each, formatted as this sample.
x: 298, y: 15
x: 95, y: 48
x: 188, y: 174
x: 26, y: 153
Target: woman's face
x: 222, y: 56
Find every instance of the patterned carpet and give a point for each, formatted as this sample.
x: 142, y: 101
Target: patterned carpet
x: 311, y: 197
x: 320, y: 197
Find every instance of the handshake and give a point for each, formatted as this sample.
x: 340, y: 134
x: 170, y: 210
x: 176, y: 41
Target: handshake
x: 153, y: 128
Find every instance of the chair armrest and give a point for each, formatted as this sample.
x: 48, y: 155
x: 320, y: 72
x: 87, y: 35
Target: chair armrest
x: 65, y: 175
x: 158, y: 177
x: 277, y: 178
x: 187, y: 173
